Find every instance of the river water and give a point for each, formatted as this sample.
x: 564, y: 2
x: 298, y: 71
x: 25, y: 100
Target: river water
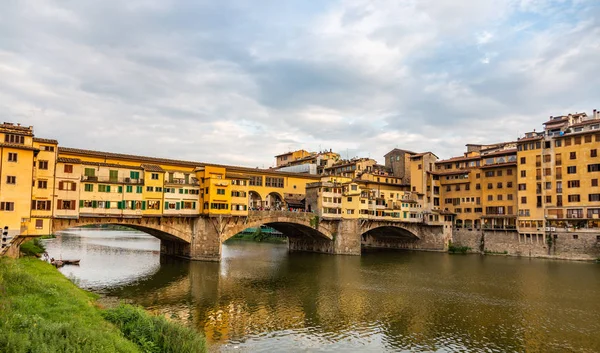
x: 262, y: 298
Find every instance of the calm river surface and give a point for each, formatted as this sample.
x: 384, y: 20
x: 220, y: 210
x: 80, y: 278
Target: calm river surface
x: 261, y: 298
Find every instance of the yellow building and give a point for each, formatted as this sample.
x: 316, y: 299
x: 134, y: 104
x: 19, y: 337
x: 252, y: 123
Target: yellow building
x: 284, y: 159
x: 17, y: 156
x: 42, y: 196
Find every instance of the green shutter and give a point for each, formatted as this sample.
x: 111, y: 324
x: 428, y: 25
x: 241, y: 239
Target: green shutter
x: 133, y: 205
x: 143, y: 205
x: 193, y: 205
x: 113, y: 175
x: 120, y: 188
x: 80, y: 203
x: 89, y: 172
x: 181, y: 191
x: 166, y: 205
x: 94, y: 204
x: 186, y: 191
x: 107, y: 204
x: 139, y: 189
x: 177, y: 205
x: 107, y: 188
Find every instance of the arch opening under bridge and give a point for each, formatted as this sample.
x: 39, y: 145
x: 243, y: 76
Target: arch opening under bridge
x: 389, y: 237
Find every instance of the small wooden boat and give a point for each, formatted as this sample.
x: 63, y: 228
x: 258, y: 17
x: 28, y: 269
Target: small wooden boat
x: 71, y: 262
x: 57, y: 263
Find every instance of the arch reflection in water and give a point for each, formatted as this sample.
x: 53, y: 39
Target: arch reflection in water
x: 262, y: 298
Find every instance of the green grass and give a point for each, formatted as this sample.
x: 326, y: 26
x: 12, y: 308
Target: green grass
x: 262, y: 239
x: 42, y: 311
x: 456, y: 249
x: 33, y: 247
x: 154, y: 333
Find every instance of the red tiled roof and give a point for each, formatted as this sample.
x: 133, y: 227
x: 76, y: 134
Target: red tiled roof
x: 500, y: 153
x: 152, y: 168
x: 42, y: 140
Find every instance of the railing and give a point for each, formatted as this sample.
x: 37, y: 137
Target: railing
x: 97, y: 179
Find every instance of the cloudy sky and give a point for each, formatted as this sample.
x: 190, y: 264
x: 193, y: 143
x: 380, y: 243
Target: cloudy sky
x: 239, y: 81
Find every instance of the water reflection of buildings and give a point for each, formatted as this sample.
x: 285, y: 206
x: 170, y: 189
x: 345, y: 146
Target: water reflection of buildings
x: 416, y: 301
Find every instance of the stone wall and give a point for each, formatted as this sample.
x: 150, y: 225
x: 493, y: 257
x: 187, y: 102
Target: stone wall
x: 563, y: 245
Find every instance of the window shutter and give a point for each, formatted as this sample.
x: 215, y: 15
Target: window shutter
x: 80, y: 203
x: 94, y: 204
x: 107, y: 188
x: 177, y: 205
x: 133, y: 205
x: 72, y: 204
x: 193, y: 205
x: 143, y: 205
x: 120, y: 189
x: 33, y: 204
x: 73, y: 186
x: 182, y: 205
x: 107, y: 203
x: 59, y: 205
x: 166, y: 205
x: 60, y: 185
x: 181, y: 191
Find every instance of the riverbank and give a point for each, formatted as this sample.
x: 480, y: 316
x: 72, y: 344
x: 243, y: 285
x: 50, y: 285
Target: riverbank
x: 261, y: 239
x: 42, y: 311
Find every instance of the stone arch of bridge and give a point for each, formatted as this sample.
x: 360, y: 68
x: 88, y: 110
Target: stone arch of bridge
x: 171, y: 231
x: 290, y: 227
x: 390, y: 231
x: 255, y: 199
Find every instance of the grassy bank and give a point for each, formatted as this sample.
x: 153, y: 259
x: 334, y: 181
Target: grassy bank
x: 42, y: 311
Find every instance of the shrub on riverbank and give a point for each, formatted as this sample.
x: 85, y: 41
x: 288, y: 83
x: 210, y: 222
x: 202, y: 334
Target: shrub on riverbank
x: 42, y: 311
x: 456, y: 249
x: 154, y: 333
x: 33, y: 247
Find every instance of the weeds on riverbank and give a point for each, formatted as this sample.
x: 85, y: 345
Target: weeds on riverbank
x: 41, y: 311
x: 154, y: 333
x: 33, y: 247
x: 456, y: 249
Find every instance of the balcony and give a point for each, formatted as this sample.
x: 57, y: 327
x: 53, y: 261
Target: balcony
x: 109, y: 180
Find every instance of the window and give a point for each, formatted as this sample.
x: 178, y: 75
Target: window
x: 220, y: 191
x: 523, y: 160
x: 468, y: 187
x: 134, y: 175
x: 254, y: 181
x: 574, y: 198
x: 41, y: 205
x: 103, y: 188
x: 522, y: 187
x: 48, y: 148
x: 568, y: 141
x: 523, y: 174
x: 89, y: 172
x: 509, y: 172
x: 572, y: 170
x: 113, y: 175
x: 573, y: 155
x: 420, y: 166
x: 89, y: 187
x: 11, y: 179
x: 68, y: 168
x: 557, y: 143
x: 509, y: 197
x: 499, y: 186
x: 594, y: 182
x: 547, y: 158
x: 129, y: 188
x: 65, y: 205
x: 12, y: 157
x: 42, y: 184
x: 67, y: 185
x: 499, y: 197
x: 154, y: 176
x: 573, y: 184
x: 7, y: 206
x: 138, y: 189
x: 274, y: 182
x: 490, y: 198
x: 219, y: 206
x: 594, y: 167
x: 153, y: 205
x: 18, y: 139
x: 150, y: 188
x: 547, y: 171
x: 558, y: 159
x: 39, y: 223
x: 594, y: 153
x: 457, y: 187
x: 524, y: 200
x: 594, y: 197
x: 489, y: 174
x: 478, y: 175
x: 548, y: 185
x: 548, y: 199
x: 43, y: 165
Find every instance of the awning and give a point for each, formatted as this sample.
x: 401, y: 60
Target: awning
x: 294, y: 202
